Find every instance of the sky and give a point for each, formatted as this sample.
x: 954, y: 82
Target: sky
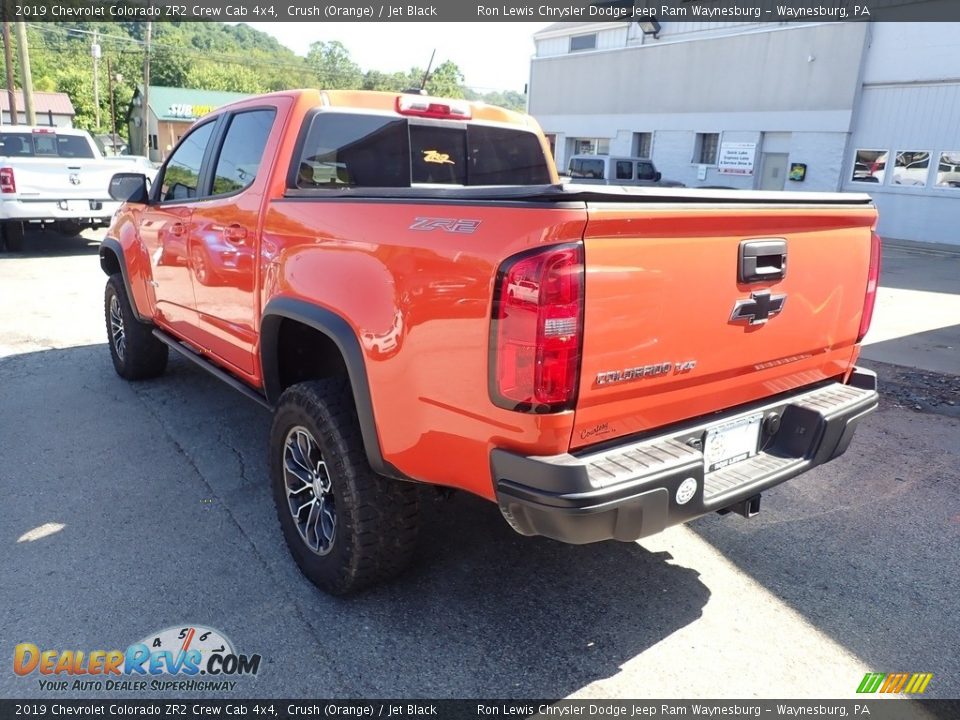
x: 492, y: 55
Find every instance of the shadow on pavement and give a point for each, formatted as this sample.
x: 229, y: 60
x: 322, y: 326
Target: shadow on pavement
x: 50, y: 243
x: 935, y: 350
x: 161, y: 488
x: 864, y: 548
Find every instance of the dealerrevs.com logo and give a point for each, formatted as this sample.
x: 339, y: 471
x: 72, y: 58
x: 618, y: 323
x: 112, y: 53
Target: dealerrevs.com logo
x: 178, y: 658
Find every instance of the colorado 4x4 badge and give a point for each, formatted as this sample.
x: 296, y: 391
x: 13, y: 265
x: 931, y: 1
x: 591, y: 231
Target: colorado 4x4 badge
x: 172, y: 659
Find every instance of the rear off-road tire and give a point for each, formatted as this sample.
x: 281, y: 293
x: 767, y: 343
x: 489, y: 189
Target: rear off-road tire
x: 346, y: 526
x: 137, y: 354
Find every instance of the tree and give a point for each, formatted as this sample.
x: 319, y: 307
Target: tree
x: 169, y: 66
x: 446, y: 80
x: 235, y: 78
x: 389, y: 82
x: 333, y: 66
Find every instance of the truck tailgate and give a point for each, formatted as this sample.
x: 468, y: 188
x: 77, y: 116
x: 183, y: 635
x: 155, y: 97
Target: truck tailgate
x: 661, y: 343
x: 63, y: 178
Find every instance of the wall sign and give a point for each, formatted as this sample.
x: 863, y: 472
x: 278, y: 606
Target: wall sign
x: 736, y: 158
x: 189, y: 112
x: 798, y: 172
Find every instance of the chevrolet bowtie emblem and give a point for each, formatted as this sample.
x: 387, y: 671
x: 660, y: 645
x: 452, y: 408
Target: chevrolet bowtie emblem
x: 758, y: 309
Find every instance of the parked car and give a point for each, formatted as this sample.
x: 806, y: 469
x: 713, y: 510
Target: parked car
x: 627, y: 359
x: 53, y: 176
x: 613, y: 170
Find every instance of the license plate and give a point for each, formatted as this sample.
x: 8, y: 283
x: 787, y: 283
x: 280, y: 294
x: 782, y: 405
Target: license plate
x: 731, y: 442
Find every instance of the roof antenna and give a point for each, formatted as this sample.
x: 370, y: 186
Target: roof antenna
x: 423, y: 83
x: 426, y: 75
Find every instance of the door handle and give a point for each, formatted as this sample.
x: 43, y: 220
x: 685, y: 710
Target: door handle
x: 177, y: 229
x: 235, y: 233
x: 762, y: 260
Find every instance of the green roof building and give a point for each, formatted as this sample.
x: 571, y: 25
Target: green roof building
x: 171, y: 111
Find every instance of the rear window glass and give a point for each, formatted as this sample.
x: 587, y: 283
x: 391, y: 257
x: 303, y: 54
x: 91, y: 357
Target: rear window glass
x: 583, y: 168
x: 374, y: 151
x: 20, y: 144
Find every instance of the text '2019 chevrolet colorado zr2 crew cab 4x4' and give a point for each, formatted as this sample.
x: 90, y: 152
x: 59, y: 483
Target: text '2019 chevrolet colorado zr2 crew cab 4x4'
x: 404, y: 281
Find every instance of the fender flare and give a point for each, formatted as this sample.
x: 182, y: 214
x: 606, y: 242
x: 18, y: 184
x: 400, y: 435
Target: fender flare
x: 112, y: 245
x: 341, y: 333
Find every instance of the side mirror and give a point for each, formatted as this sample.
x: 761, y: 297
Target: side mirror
x: 657, y: 176
x: 129, y: 187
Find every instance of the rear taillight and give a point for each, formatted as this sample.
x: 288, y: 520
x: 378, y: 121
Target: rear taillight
x: 537, y: 330
x: 7, y: 183
x: 873, y: 279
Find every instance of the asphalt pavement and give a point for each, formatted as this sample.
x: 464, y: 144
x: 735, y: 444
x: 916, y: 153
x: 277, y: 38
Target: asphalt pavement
x: 129, y: 508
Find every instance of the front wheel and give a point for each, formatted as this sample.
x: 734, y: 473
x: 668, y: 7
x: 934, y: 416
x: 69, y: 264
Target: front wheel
x: 346, y: 526
x: 136, y: 353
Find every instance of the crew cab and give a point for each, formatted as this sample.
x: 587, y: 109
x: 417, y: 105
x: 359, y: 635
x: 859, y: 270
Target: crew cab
x: 52, y: 176
x: 405, y: 283
x: 613, y: 170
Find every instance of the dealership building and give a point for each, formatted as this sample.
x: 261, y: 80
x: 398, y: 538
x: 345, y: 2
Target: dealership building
x: 859, y: 107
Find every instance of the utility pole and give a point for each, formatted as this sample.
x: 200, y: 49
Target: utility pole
x: 95, y: 52
x: 26, y: 81
x: 145, y: 143
x: 11, y: 86
x: 113, y: 112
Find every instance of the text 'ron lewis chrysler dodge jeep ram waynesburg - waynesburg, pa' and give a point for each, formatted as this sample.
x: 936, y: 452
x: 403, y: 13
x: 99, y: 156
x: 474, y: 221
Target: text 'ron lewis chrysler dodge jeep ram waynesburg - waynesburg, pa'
x: 405, y: 282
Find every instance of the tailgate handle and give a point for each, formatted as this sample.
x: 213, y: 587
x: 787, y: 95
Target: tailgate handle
x: 762, y: 260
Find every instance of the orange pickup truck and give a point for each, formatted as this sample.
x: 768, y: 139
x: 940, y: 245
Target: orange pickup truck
x: 406, y: 284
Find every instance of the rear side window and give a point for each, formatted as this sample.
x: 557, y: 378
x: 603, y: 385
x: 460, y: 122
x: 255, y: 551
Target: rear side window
x: 355, y: 150
x: 242, y: 151
x: 624, y: 170
x: 372, y: 151
x: 501, y: 156
x: 19, y: 144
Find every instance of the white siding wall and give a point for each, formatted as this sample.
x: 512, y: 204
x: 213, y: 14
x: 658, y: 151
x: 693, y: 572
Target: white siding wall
x: 613, y: 38
x: 923, y: 117
x: 549, y: 47
x: 607, y: 39
x: 808, y: 96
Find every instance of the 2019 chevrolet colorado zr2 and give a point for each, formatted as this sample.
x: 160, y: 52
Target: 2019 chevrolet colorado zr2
x: 406, y: 284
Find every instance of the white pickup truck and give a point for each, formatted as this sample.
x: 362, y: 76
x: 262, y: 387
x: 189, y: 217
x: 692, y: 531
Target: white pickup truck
x: 53, y: 175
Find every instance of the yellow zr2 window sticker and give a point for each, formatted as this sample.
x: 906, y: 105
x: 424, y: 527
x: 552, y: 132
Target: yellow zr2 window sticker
x: 435, y: 156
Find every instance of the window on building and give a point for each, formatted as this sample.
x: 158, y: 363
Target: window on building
x: 869, y: 166
x: 624, y: 170
x: 583, y: 42
x: 242, y: 150
x: 948, y: 170
x: 911, y: 168
x: 591, y: 146
x: 153, y: 142
x: 642, y: 144
x: 182, y: 172
x: 705, y: 152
